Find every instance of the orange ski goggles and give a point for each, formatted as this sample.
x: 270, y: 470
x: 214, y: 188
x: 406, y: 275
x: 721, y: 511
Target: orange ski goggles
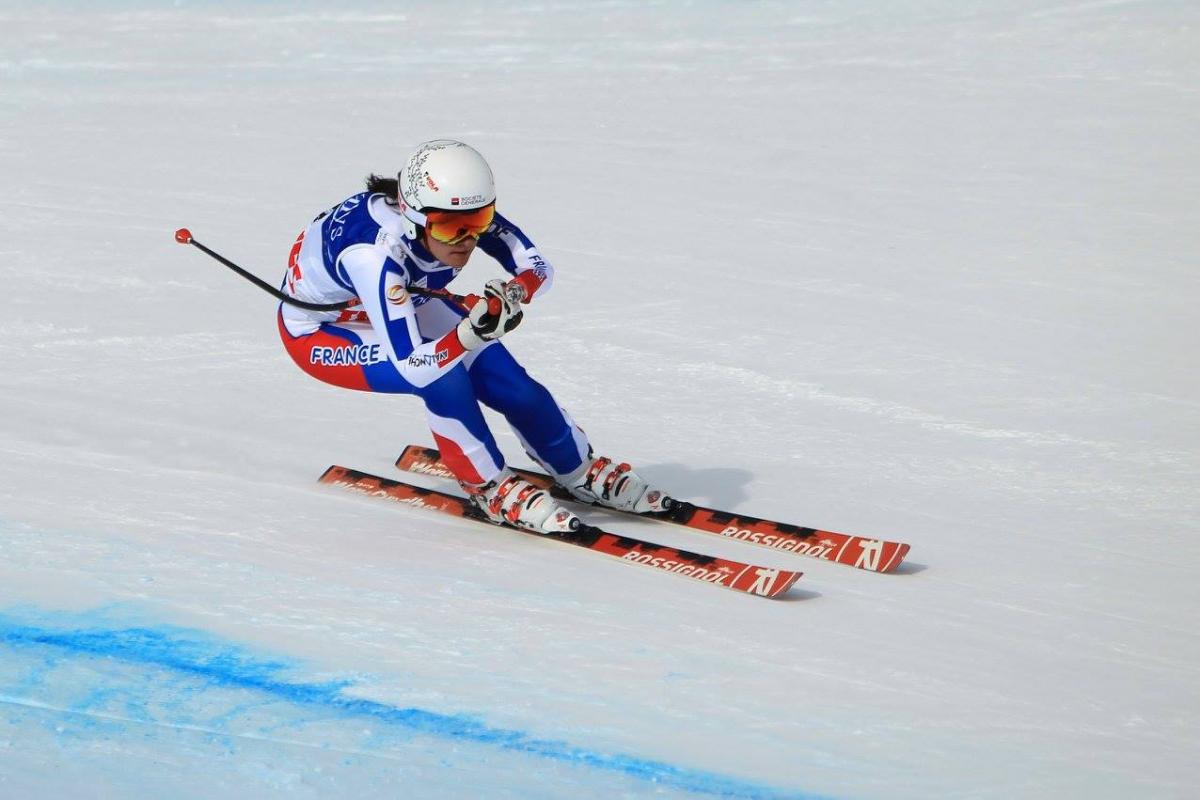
x: 451, y: 227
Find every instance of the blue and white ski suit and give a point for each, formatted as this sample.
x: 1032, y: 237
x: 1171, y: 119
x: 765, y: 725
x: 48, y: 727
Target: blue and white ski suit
x: 392, y: 341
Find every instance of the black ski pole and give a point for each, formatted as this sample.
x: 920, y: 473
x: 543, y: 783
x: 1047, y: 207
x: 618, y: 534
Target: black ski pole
x: 184, y: 236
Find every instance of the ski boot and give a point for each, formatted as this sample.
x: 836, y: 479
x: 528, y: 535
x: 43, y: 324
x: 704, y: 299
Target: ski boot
x: 606, y: 483
x: 509, y: 500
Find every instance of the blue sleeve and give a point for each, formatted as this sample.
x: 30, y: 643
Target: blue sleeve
x: 509, y: 245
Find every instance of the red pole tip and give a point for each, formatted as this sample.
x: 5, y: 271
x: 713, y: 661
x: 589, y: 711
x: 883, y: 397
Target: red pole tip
x: 183, y: 236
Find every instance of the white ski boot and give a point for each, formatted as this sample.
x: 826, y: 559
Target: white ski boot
x: 607, y: 483
x: 514, y: 501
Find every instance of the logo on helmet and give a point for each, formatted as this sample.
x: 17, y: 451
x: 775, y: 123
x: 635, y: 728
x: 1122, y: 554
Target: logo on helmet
x: 429, y: 182
x: 462, y: 201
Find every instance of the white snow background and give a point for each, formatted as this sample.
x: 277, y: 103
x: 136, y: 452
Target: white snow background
x: 920, y: 270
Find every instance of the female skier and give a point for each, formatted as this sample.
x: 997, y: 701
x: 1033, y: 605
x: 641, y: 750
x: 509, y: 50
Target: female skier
x: 419, y: 230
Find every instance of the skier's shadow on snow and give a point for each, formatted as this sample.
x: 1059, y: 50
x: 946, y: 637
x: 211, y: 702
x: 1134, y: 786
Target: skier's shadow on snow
x: 720, y: 487
x: 796, y: 594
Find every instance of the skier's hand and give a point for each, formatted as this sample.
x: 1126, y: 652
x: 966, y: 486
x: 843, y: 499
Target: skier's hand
x: 482, y: 325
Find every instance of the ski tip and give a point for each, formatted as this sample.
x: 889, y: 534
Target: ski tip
x: 897, y: 558
x: 764, y: 581
x: 788, y: 584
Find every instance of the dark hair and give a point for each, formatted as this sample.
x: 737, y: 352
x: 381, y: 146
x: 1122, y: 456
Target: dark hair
x: 389, y: 187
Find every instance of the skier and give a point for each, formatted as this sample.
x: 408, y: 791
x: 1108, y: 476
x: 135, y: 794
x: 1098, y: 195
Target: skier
x: 419, y: 230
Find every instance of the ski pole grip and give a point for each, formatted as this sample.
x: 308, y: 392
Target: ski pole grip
x: 470, y: 300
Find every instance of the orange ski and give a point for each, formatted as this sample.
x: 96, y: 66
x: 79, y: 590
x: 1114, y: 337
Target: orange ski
x: 746, y: 578
x: 874, y: 555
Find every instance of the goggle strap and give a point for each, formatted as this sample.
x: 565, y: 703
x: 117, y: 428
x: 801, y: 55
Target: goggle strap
x: 412, y: 215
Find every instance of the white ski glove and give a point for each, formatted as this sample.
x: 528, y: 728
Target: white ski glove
x: 481, y: 326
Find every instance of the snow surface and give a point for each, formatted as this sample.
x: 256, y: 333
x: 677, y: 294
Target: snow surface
x: 922, y: 270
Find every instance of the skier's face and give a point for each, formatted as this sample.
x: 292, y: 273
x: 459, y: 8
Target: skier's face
x: 453, y: 255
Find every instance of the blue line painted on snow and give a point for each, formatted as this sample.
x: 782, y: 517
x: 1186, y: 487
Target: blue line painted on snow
x: 221, y: 664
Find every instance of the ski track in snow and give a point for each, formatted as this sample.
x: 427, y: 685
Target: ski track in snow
x: 924, y: 271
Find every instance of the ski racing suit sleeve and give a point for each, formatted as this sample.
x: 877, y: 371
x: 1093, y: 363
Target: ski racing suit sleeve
x: 381, y: 285
x: 518, y: 256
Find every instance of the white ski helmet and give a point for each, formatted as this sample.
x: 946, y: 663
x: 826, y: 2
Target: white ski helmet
x: 443, y: 174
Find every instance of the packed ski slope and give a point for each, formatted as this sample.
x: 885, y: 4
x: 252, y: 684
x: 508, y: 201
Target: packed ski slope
x: 920, y: 270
